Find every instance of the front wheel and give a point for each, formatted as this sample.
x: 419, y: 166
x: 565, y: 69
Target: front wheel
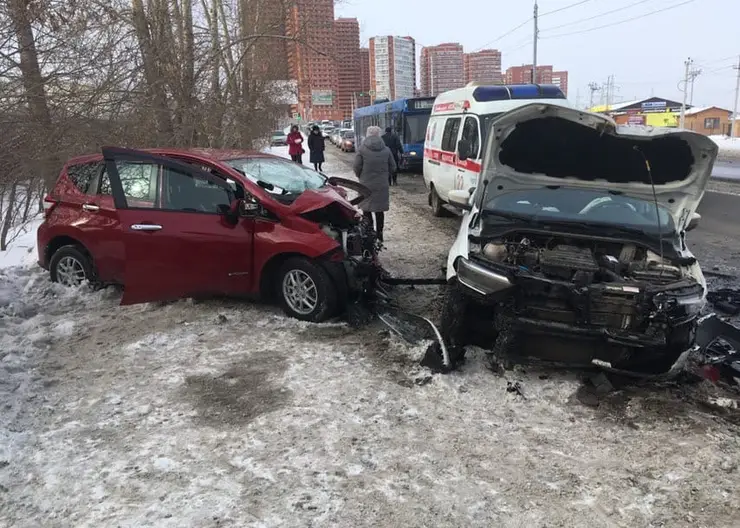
x: 437, y: 204
x: 305, y: 291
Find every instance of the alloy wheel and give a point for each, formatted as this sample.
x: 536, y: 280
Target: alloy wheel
x: 70, y: 271
x: 300, y: 292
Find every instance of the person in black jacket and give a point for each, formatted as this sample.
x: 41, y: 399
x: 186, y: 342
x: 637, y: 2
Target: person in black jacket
x: 392, y: 141
x: 316, y: 146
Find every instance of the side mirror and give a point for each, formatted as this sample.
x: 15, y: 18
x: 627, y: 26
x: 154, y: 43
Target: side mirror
x: 243, y: 208
x: 463, y: 149
x: 460, y: 199
x: 694, y: 222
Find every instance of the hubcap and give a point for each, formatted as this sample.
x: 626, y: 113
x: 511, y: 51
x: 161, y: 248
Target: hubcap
x: 70, y: 272
x: 300, y: 291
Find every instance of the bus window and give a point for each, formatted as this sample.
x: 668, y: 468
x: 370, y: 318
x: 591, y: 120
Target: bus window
x: 449, y: 138
x: 470, y: 132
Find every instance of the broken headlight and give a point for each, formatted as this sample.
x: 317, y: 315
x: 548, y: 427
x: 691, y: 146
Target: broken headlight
x: 688, y: 301
x: 481, y: 279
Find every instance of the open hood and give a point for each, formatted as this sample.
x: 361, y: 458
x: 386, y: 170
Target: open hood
x: 319, y: 198
x: 543, y: 145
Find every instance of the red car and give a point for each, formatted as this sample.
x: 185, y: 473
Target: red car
x: 168, y: 224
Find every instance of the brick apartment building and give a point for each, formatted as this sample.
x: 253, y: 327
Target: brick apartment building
x: 316, y: 75
x: 365, y: 86
x: 347, y: 53
x: 523, y: 74
x: 442, y: 68
x: 560, y: 78
x: 483, y: 67
x: 392, y: 67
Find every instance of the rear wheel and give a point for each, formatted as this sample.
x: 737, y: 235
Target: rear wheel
x: 305, y: 291
x: 71, y: 266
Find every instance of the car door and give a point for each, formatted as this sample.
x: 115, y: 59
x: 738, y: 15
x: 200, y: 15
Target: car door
x: 469, y: 169
x: 177, y: 240
x: 448, y: 157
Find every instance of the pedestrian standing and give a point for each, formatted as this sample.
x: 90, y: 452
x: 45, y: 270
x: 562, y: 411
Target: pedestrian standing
x: 393, y: 142
x: 295, y: 144
x: 316, y: 147
x: 374, y: 165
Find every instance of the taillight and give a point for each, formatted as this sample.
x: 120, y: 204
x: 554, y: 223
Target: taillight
x: 49, y: 204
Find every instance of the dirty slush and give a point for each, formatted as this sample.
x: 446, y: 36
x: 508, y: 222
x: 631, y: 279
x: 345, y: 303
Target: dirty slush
x: 223, y: 413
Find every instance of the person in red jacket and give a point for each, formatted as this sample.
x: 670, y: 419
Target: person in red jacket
x: 295, y: 145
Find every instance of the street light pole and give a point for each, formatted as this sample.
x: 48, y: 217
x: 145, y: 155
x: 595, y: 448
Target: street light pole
x: 733, y: 124
x: 534, y: 60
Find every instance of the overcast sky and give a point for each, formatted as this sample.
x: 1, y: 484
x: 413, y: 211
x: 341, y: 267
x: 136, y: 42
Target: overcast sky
x: 646, y: 55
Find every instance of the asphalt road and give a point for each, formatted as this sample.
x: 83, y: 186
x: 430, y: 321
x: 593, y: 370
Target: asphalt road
x: 727, y: 170
x: 719, y: 216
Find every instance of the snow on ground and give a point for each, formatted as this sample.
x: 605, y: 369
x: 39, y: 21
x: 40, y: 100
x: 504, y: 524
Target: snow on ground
x: 226, y: 413
x: 728, y: 147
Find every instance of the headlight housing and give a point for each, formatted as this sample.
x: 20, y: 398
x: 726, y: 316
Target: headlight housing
x: 481, y: 279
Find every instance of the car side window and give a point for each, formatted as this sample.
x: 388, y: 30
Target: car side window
x: 139, y: 182
x: 470, y: 132
x: 84, y: 175
x: 194, y: 193
x: 449, y: 137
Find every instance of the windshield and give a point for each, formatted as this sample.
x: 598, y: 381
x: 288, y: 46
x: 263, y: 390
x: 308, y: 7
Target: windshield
x: 278, y: 133
x: 284, y: 176
x: 348, y: 135
x: 415, y: 128
x: 582, y: 207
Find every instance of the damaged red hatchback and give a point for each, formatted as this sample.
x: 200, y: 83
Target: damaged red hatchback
x: 170, y: 224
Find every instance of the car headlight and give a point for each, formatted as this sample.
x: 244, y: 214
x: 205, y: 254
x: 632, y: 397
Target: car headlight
x: 480, y: 279
x: 412, y: 153
x: 688, y: 302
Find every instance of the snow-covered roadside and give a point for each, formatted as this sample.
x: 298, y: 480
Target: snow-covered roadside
x: 228, y: 414
x: 729, y: 148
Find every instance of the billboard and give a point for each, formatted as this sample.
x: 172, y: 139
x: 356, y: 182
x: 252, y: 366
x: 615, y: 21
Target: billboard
x: 322, y: 97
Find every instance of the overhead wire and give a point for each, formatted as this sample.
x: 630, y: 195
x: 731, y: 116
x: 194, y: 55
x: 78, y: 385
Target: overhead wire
x: 504, y: 35
x: 558, y: 10
x: 605, y: 13
x: 619, y: 22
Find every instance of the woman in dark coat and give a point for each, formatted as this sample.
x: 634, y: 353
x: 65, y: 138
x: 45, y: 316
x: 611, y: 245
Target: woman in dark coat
x: 316, y: 146
x: 373, y: 166
x: 295, y: 144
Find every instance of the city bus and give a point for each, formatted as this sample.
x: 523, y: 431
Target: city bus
x: 407, y: 117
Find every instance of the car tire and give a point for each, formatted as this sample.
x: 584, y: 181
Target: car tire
x: 305, y: 291
x: 437, y: 204
x: 71, y: 266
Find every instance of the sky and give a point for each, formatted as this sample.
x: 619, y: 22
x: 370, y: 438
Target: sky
x: 646, y: 55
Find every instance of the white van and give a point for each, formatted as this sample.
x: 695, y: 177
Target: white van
x: 462, y: 118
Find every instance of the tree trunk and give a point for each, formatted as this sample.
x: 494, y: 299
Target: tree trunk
x: 33, y: 82
x: 8, y: 217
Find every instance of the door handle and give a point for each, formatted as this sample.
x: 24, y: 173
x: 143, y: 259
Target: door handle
x: 460, y: 170
x: 146, y: 227
x: 90, y: 207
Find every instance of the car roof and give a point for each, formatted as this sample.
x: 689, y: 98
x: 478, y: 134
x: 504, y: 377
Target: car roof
x: 203, y: 154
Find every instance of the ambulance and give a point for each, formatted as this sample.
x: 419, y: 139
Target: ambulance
x: 457, y: 132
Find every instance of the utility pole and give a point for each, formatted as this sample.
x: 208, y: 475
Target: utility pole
x: 536, y: 34
x: 609, y: 91
x: 734, y: 124
x: 594, y: 88
x: 693, y: 74
x: 682, y: 120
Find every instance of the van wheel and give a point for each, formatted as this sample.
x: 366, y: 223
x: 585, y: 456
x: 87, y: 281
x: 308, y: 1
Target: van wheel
x: 305, y: 291
x: 70, y: 266
x: 436, y: 202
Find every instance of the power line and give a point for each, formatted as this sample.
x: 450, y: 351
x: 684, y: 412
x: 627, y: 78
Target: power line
x: 598, y: 16
x: 564, y: 8
x: 505, y: 34
x: 655, y: 12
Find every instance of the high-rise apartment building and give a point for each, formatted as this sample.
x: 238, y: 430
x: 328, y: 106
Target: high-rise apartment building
x: 442, y: 68
x: 483, y: 67
x: 311, y: 58
x: 347, y: 53
x: 392, y: 67
x: 523, y: 74
x: 560, y: 78
x: 365, y: 83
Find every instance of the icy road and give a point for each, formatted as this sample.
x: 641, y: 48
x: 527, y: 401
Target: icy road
x: 224, y: 413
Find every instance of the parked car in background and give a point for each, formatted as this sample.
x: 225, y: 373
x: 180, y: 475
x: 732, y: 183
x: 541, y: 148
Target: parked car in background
x: 347, y: 141
x: 327, y: 131
x: 279, y: 139
x: 336, y: 137
x: 168, y: 224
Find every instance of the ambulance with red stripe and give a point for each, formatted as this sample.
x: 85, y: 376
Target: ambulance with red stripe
x: 457, y: 132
